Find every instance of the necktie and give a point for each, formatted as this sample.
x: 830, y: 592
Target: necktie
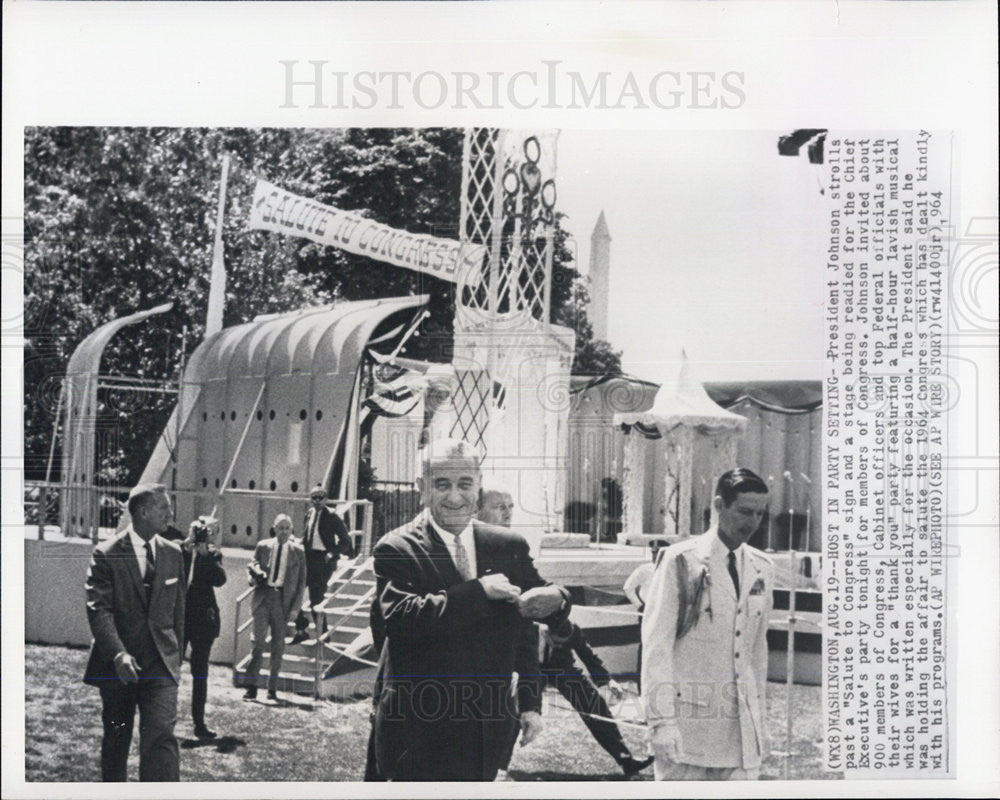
x: 733, y: 573
x: 277, y: 563
x: 462, y: 560
x: 147, y: 579
x: 313, y: 521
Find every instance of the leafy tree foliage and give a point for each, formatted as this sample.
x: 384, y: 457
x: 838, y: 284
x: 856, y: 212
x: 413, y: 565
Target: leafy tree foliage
x: 122, y: 219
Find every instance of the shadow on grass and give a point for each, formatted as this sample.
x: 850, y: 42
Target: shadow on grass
x: 281, y: 702
x: 553, y: 775
x: 222, y: 744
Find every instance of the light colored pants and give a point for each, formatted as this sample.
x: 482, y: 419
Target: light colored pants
x: 674, y: 771
x: 269, y: 615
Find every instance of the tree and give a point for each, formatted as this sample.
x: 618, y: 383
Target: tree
x: 122, y: 219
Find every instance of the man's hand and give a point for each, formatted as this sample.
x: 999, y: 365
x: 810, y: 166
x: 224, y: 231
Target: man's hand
x: 615, y: 690
x: 128, y: 668
x: 666, y: 742
x: 499, y: 587
x: 540, y: 602
x: 531, y: 726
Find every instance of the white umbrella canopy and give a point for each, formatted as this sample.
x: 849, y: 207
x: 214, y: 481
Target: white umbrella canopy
x: 682, y: 401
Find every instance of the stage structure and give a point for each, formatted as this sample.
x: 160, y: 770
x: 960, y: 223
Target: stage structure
x: 84, y: 435
x: 512, y: 365
x: 269, y: 408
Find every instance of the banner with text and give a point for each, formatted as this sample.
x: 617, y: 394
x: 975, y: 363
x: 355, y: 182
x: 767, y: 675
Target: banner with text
x: 275, y: 209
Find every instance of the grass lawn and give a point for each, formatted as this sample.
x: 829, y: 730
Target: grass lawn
x: 304, y: 740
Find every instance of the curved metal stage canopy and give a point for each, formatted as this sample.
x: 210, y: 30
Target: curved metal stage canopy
x: 267, y: 409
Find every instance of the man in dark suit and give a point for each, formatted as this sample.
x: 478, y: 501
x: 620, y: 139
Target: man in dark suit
x: 457, y: 598
x: 278, y: 573
x: 560, y: 670
x: 135, y: 606
x: 203, y: 566
x: 324, y: 539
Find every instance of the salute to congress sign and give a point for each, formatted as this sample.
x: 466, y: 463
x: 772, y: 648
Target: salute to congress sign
x: 275, y: 209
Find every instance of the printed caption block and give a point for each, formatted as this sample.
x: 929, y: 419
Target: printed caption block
x: 884, y: 485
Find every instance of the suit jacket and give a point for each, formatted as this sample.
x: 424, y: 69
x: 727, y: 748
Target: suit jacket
x: 122, y: 619
x: 332, y: 532
x: 295, y: 574
x: 444, y: 707
x: 704, y: 661
x: 201, y: 617
x: 557, y: 660
x: 201, y: 622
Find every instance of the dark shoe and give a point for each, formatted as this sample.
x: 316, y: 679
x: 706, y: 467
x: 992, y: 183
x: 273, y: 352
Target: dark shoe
x: 201, y: 732
x: 633, y: 766
x: 272, y: 695
x: 250, y: 693
x: 300, y: 636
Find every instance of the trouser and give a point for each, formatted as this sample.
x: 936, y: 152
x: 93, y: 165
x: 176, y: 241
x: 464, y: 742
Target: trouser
x: 200, y: 651
x: 674, y: 771
x: 269, y: 615
x: 586, y: 700
x: 318, y: 573
x: 372, y: 772
x: 155, y: 695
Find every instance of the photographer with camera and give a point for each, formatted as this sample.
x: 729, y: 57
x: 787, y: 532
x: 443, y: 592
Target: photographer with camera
x: 203, y: 566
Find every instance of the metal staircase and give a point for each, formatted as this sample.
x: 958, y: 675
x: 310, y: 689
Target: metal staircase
x: 340, y: 663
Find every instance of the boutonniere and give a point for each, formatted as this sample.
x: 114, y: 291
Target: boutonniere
x: 758, y: 586
x: 704, y: 583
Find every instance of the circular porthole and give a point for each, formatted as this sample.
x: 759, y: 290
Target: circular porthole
x: 216, y: 483
x: 271, y: 414
x: 260, y: 415
x: 319, y: 415
x: 222, y: 416
x: 252, y: 484
x: 232, y: 415
x: 232, y: 530
x: 295, y: 486
x: 249, y: 530
x: 273, y: 486
x: 204, y: 483
x: 303, y: 414
x: 232, y: 483
x: 204, y: 416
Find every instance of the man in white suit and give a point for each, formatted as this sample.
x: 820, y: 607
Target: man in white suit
x: 277, y: 572
x: 704, y: 663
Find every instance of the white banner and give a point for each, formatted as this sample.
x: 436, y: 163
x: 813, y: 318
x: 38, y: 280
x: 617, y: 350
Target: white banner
x: 275, y: 209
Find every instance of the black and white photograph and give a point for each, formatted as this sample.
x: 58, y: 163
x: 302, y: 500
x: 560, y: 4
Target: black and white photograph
x: 473, y: 427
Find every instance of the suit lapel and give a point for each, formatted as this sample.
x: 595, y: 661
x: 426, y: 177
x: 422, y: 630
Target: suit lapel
x: 751, y: 572
x: 485, y: 561
x: 438, y: 553
x: 160, y: 575
x: 127, y: 552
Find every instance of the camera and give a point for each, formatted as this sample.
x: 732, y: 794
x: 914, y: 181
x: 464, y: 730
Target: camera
x: 256, y: 576
x: 201, y: 529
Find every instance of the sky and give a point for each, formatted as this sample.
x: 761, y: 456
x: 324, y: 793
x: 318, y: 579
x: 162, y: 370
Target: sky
x: 717, y: 249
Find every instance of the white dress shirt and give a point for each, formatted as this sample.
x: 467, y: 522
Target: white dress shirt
x: 719, y: 562
x: 317, y: 540
x: 139, y: 546
x: 279, y: 579
x: 466, y: 537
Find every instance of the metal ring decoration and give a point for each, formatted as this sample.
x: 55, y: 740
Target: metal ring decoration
x: 532, y: 149
x: 511, y: 182
x: 548, y: 197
